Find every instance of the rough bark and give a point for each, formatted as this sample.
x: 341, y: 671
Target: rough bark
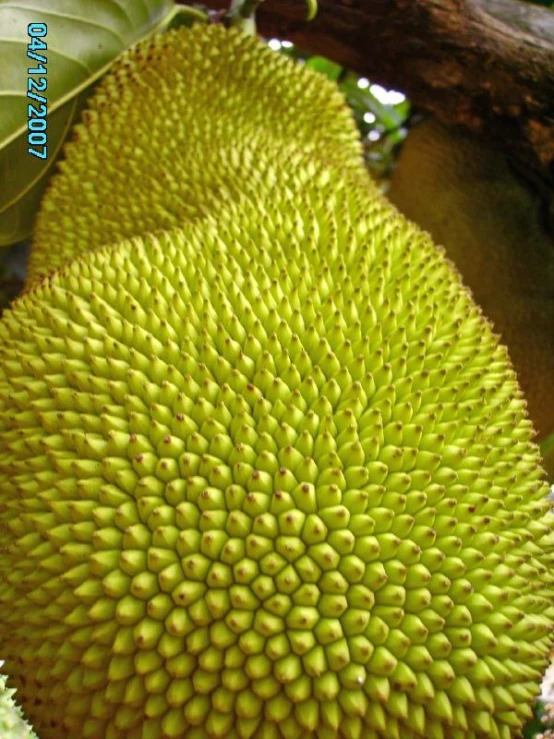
x: 486, y: 65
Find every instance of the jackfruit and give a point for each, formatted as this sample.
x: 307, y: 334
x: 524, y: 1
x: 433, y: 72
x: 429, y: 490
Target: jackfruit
x: 185, y: 122
x: 267, y: 474
x: 466, y: 196
x: 247, y: 494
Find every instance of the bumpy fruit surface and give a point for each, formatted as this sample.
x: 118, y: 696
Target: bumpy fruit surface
x: 268, y: 475
x: 183, y: 124
x: 247, y: 495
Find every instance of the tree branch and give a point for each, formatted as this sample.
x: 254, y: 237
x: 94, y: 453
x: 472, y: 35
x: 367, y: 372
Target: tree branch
x: 486, y: 65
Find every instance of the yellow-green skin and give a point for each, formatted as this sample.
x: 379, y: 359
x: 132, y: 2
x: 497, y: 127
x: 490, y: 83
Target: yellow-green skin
x: 184, y: 124
x: 268, y: 474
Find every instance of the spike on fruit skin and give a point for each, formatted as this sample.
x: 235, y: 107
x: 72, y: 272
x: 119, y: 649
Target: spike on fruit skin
x: 231, y: 498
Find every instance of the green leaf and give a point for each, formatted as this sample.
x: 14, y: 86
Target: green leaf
x: 324, y: 66
x: 364, y: 100
x: 83, y: 38
x: 26, y: 177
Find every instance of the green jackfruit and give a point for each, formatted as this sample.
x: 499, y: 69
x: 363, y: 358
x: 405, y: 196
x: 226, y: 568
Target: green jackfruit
x: 268, y: 474
x: 236, y: 117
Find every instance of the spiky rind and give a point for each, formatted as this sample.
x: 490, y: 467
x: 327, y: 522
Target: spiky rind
x: 254, y: 489
x: 270, y: 474
x: 231, y: 110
